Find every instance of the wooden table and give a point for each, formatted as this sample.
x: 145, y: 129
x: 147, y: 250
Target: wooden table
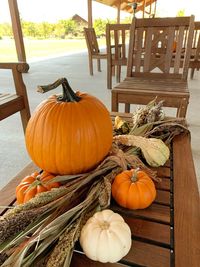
x: 165, y: 234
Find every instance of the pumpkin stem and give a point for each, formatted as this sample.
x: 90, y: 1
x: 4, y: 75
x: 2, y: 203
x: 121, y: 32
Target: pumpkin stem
x: 68, y: 94
x: 134, y: 176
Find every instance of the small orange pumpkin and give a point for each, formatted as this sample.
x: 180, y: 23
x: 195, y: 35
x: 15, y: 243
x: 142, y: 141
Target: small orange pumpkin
x: 133, y: 189
x: 33, y: 184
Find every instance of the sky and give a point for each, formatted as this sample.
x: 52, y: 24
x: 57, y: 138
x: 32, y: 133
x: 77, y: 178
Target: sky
x: 52, y: 11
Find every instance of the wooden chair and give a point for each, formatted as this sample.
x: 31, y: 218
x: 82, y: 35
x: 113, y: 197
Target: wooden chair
x: 12, y: 103
x: 150, y: 71
x: 93, y: 49
x: 195, y: 56
x: 116, y: 41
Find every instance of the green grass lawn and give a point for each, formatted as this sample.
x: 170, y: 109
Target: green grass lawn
x: 36, y: 49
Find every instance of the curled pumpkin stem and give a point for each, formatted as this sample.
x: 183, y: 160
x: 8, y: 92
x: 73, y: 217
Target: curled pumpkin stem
x: 68, y: 94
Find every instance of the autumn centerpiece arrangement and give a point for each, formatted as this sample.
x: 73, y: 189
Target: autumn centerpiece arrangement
x: 85, y: 161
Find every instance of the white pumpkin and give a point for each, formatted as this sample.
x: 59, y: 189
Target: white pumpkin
x: 106, y: 237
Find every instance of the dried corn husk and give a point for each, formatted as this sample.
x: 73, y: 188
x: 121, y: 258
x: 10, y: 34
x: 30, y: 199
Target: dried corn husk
x: 154, y: 150
x: 150, y: 113
x: 121, y: 126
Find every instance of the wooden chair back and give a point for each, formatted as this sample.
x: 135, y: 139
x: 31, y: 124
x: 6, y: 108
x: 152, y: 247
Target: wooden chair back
x: 117, y: 37
x: 17, y: 101
x: 195, y: 56
x: 91, y: 41
x: 93, y: 49
x: 151, y: 47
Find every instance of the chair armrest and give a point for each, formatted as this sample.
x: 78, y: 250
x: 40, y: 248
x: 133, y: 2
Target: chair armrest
x: 19, y: 66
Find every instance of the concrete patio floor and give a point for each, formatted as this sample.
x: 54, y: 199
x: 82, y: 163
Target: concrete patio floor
x: 13, y: 155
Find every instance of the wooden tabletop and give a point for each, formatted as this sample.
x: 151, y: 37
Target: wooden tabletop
x: 165, y: 234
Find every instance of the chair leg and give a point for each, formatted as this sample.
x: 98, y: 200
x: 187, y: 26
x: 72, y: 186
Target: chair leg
x: 114, y: 101
x: 98, y: 65
x: 109, y: 76
x: 181, y: 111
x: 192, y: 73
x: 118, y: 74
x: 90, y: 65
x: 127, y: 108
x: 113, y: 70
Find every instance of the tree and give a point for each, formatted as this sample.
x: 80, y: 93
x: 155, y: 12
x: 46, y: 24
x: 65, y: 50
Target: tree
x: 181, y: 13
x: 6, y: 30
x: 29, y: 28
x: 100, y: 27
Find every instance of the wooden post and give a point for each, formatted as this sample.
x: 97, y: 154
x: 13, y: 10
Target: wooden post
x: 17, y: 30
x: 90, y: 14
x: 118, y: 11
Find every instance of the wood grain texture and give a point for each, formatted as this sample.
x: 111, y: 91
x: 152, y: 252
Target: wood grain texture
x: 155, y: 256
x: 151, y: 231
x: 155, y: 212
x: 186, y: 206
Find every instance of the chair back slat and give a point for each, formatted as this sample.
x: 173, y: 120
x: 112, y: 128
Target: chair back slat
x: 169, y: 51
x: 156, y: 45
x: 178, y: 51
x: 139, y: 48
x: 117, y: 37
x: 147, y: 49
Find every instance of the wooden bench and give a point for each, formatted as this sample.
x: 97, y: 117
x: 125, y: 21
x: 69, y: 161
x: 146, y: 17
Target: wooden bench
x: 166, y: 233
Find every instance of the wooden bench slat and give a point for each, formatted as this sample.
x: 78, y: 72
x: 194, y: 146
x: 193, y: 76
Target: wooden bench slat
x: 148, y: 255
x: 163, y: 197
x: 149, y: 230
x: 164, y: 184
x: 163, y: 171
x: 155, y: 256
x: 155, y: 212
x: 79, y: 259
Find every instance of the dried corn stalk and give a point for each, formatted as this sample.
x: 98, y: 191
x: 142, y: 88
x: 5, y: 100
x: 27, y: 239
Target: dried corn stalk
x: 150, y: 113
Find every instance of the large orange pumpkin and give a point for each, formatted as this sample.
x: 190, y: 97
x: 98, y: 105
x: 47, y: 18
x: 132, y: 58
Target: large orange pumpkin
x: 69, y: 134
x: 133, y: 189
x: 33, y: 184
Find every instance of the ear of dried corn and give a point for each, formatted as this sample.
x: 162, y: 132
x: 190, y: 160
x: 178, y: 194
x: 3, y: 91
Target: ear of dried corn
x: 154, y: 150
x: 150, y: 113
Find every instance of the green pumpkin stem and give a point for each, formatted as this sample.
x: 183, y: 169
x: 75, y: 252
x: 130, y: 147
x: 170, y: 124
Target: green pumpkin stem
x: 68, y: 94
x: 134, y: 176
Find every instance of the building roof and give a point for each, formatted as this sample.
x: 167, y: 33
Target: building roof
x: 79, y: 19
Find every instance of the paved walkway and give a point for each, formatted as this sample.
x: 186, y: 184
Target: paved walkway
x: 13, y: 155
